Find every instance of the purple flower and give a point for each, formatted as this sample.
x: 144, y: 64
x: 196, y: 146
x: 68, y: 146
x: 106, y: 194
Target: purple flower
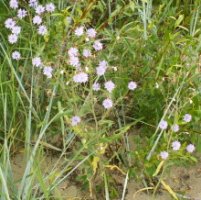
x: 13, y: 4
x: 176, y: 145
x: 187, y: 118
x: 40, y: 9
x: 50, y: 7
x: 12, y: 38
x: 33, y: 3
x: 98, y: 45
x: 190, y: 148
x: 42, y: 30
x: 163, y: 124
x: 37, y: 20
x: 132, y: 85
x: 175, y: 128
x: 73, y: 52
x: 47, y: 71
x: 16, y: 30
x: 36, y: 62
x: 10, y: 23
x: 21, y: 13
x: 96, y: 86
x: 109, y: 86
x: 101, y: 69
x: 74, y: 61
x: 164, y: 155
x: 79, y: 31
x: 86, y: 53
x: 107, y: 103
x: 16, y: 55
x: 75, y: 120
x: 91, y: 33
x: 80, y: 77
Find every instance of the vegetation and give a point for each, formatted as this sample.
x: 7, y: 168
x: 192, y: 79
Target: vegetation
x: 107, y: 86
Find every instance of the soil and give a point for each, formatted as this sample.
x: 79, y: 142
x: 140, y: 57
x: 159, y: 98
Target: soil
x: 185, y: 181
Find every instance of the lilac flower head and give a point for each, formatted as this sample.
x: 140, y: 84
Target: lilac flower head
x: 42, y: 30
x: 102, y: 67
x: 109, y: 86
x: 163, y: 124
x: 16, y: 55
x: 91, y: 33
x: 40, y: 9
x: 33, y: 3
x: 175, y: 128
x: 73, y: 51
x: 132, y: 85
x: 86, y: 53
x: 12, y: 38
x: 50, y: 7
x: 96, y: 86
x: 107, y: 103
x: 16, y: 30
x: 79, y: 31
x: 47, y: 71
x: 36, y: 62
x: 37, y: 20
x: 10, y: 23
x: 13, y: 4
x: 176, y: 145
x: 190, y: 148
x: 74, y: 61
x: 187, y: 118
x: 75, y: 120
x: 164, y: 155
x: 98, y: 45
x: 21, y: 13
x: 80, y: 77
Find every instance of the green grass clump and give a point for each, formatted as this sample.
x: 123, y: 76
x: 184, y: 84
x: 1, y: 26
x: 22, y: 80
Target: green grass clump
x: 96, y: 134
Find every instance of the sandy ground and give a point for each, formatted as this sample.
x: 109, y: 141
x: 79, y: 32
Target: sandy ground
x: 185, y: 181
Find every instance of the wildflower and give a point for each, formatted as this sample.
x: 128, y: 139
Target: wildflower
x: 37, y: 20
x: 36, y: 62
x: 75, y: 120
x: 13, y: 4
x: 74, y: 61
x: 86, y: 53
x: 176, y: 145
x: 10, y: 23
x: 163, y: 124
x: 164, y: 155
x: 91, y: 33
x: 73, y: 51
x: 33, y: 3
x: 79, y: 31
x: 107, y: 103
x: 187, y: 118
x: 132, y: 85
x: 50, y: 7
x: 40, y: 9
x: 80, y: 77
x: 109, y: 86
x: 190, y: 148
x: 21, y: 13
x: 16, y: 30
x: 96, y: 86
x: 101, y: 69
x: 42, y: 30
x: 47, y: 71
x: 175, y: 128
x: 16, y: 55
x: 12, y: 38
x: 98, y: 45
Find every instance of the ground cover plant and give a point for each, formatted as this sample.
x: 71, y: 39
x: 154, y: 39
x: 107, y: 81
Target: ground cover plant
x: 110, y: 88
